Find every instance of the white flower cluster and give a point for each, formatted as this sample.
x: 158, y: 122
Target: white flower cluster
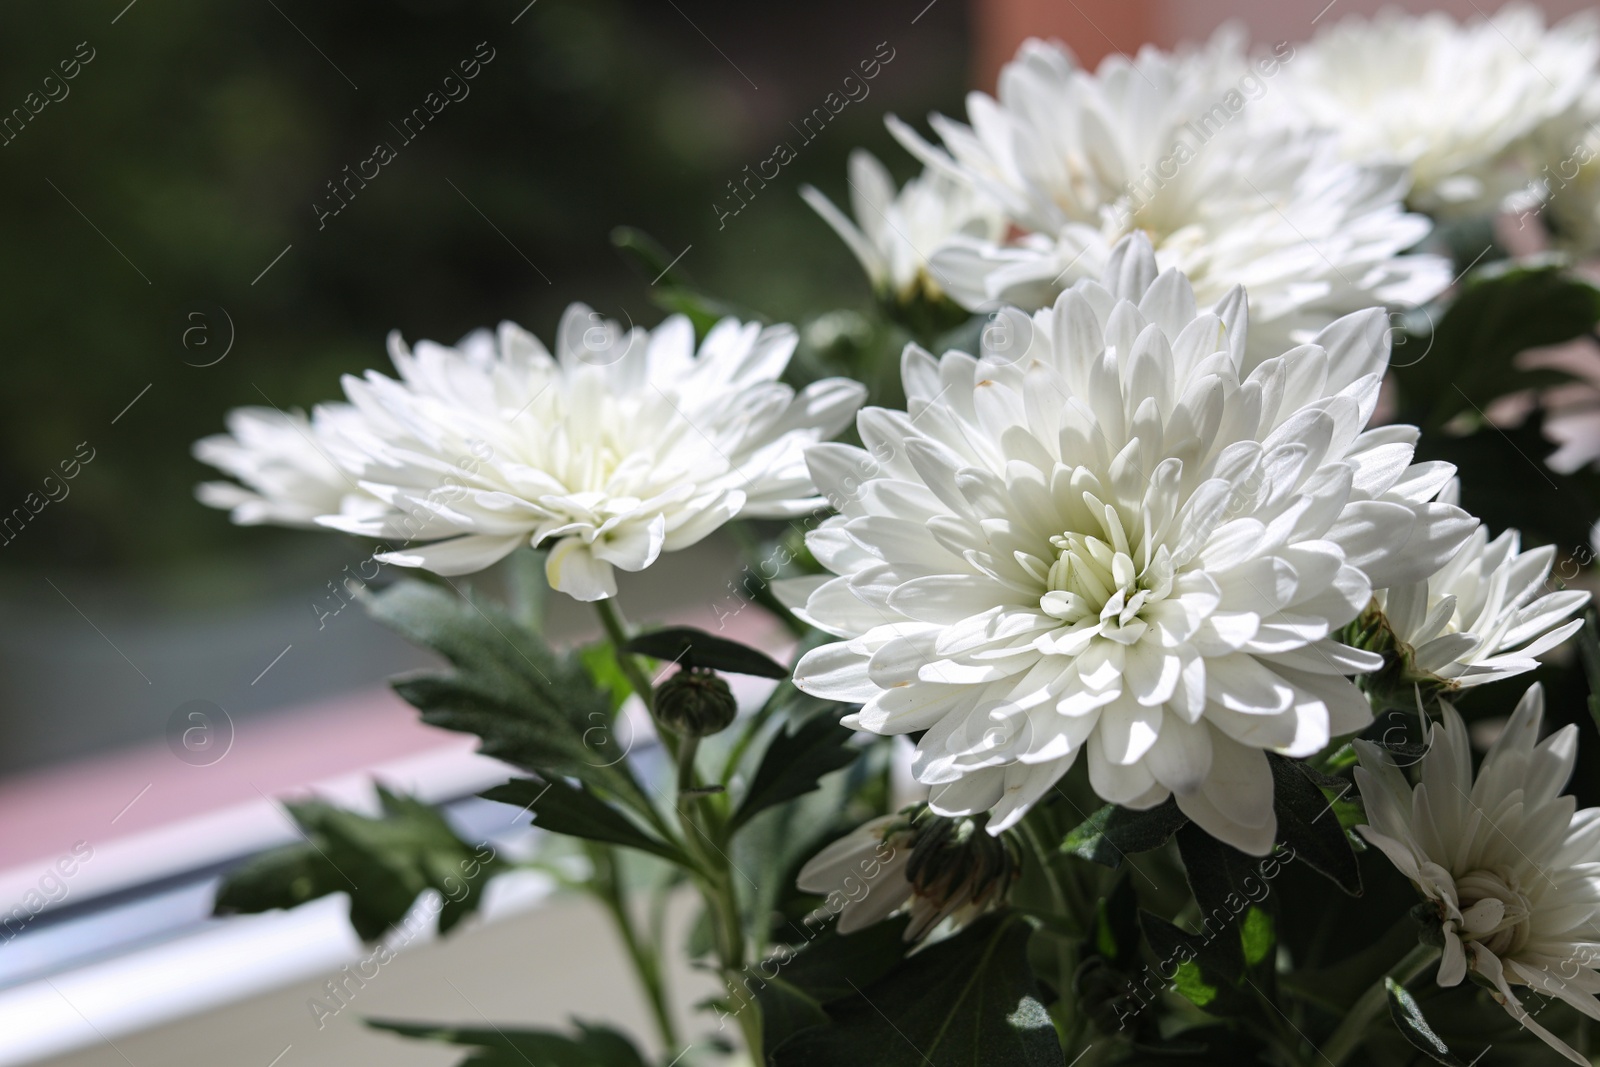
x: 1145, y: 524
x: 1289, y: 172
x: 1113, y: 534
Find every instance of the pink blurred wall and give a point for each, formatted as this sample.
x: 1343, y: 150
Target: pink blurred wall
x: 1095, y: 28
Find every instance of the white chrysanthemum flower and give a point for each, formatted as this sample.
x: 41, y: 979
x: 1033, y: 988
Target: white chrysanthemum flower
x: 289, y: 476
x: 1480, y: 618
x: 894, y: 233
x: 621, y: 446
x: 1513, y: 868
x: 914, y: 862
x: 1449, y: 100
x: 1562, y: 161
x: 1109, y: 537
x: 1164, y: 145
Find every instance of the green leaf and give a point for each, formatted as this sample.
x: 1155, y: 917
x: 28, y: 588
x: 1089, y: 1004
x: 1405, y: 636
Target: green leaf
x: 688, y: 647
x: 968, y: 1000
x: 1236, y: 904
x: 285, y: 877
x: 575, y: 811
x: 1336, y: 988
x: 594, y: 1045
x: 645, y: 254
x: 1116, y: 926
x: 1107, y: 836
x: 1407, y: 1016
x: 1308, y: 823
x: 702, y: 311
x: 825, y: 969
x: 793, y: 762
x: 383, y: 864
x: 1499, y: 313
x: 601, y: 663
x: 1208, y: 969
x: 533, y: 709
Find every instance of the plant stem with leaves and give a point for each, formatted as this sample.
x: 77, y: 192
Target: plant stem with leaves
x: 1357, y: 1023
x: 607, y: 887
x: 702, y: 832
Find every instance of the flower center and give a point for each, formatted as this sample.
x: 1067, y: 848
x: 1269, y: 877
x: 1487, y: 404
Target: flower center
x: 1494, y: 910
x: 1094, y: 579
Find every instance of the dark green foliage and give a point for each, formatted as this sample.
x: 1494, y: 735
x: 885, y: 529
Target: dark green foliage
x: 691, y: 648
x: 1468, y: 360
x: 532, y: 708
x: 383, y: 863
x: 970, y: 1000
x: 1107, y: 836
x: 1309, y: 824
x: 577, y: 812
x: 1408, y: 1018
x: 593, y: 1046
x: 793, y: 762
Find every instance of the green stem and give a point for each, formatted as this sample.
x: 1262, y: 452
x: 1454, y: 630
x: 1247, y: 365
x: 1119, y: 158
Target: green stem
x: 712, y: 871
x: 617, y: 631
x: 645, y: 958
x: 686, y: 754
x: 1066, y: 962
x: 1353, y: 1029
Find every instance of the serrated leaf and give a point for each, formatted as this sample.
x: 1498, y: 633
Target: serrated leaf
x: 1308, y: 824
x: 822, y: 970
x: 575, y: 811
x: 285, y: 877
x: 1407, y: 1016
x: 969, y: 1000
x: 530, y: 707
x: 1110, y: 834
x: 384, y: 864
x: 593, y: 1046
x: 793, y: 762
x: 688, y: 647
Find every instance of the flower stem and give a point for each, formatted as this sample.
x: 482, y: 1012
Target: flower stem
x: 607, y: 887
x: 712, y: 871
x: 1067, y: 1018
x: 1353, y: 1030
x: 617, y: 630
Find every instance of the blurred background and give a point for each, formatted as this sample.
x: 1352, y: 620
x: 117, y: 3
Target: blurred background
x: 174, y: 248
x: 194, y: 150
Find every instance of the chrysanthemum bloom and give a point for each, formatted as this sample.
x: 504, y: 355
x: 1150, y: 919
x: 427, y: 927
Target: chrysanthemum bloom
x: 1104, y: 536
x: 894, y: 233
x: 1509, y: 865
x: 289, y: 477
x: 1481, y: 618
x: 1562, y: 194
x: 620, y: 447
x: 1450, y: 100
x: 1171, y: 146
x: 930, y: 867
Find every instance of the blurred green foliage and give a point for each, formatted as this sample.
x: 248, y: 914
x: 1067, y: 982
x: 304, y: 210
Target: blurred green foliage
x: 200, y: 135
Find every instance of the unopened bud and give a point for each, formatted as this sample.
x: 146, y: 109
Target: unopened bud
x: 695, y: 703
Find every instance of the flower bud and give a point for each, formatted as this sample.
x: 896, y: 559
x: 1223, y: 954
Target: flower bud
x: 931, y: 866
x: 695, y: 703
